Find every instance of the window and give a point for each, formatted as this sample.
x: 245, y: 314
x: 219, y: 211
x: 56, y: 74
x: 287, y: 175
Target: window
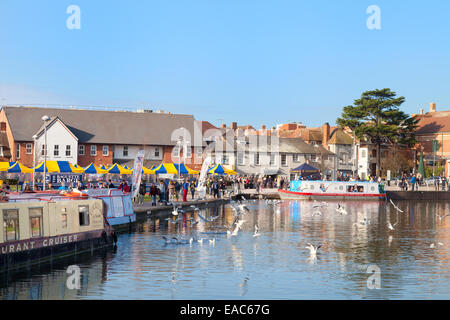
x: 18, y: 151
x: 363, y: 153
x: 93, y: 150
x: 43, y: 149
x: 11, y: 224
x: 81, y: 150
x: 29, y: 148
x: 125, y: 151
x: 272, y: 159
x: 105, y: 150
x: 374, y: 153
x: 36, y: 222
x: 56, y: 150
x: 157, y: 152
x: 313, y: 157
x: 199, y: 152
x: 188, y: 152
x: 1, y: 151
x: 224, y: 159
x: 296, y: 157
x: 256, y: 159
x: 313, y: 143
x: 283, y: 160
x: 240, y: 158
x: 84, y: 215
x: 68, y: 150
x: 176, y: 151
x: 63, y: 218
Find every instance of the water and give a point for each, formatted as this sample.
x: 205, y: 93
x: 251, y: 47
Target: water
x: 275, y: 265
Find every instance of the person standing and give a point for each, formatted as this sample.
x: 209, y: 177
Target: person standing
x: 192, y: 187
x: 162, y: 191
x: 215, y: 188
x: 185, y: 190
x: 177, y: 190
x: 171, y: 191
x: 153, y: 193
x: 413, y: 182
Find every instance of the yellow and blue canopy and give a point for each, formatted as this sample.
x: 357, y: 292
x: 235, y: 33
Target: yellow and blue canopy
x: 58, y: 167
x: 117, y: 169
x: 14, y: 167
x: 93, y: 169
x: 19, y: 168
x: 4, y: 166
x: 219, y: 169
x: 172, y: 168
x: 103, y: 167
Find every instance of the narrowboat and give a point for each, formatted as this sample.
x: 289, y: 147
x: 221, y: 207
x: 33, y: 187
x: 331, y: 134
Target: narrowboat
x: 119, y: 207
x: 40, y: 227
x: 333, y: 190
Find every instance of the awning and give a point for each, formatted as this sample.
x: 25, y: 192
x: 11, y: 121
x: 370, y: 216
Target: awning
x: 93, y: 169
x: 269, y: 172
x: 172, y: 168
x: 219, y: 169
x: 117, y: 169
x: 58, y: 167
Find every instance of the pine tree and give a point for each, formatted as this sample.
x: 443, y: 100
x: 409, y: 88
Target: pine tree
x: 376, y: 118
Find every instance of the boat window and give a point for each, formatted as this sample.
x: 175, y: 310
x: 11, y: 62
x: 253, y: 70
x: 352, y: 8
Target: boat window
x: 63, y: 218
x: 355, y: 188
x: 341, y: 188
x: 312, y: 187
x: 11, y: 224
x: 36, y: 222
x: 84, y: 215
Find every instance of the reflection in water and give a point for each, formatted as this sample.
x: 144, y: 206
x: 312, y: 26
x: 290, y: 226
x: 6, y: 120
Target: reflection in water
x: 275, y: 265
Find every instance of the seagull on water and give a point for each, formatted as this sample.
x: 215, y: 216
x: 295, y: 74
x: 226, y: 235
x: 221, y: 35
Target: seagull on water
x: 341, y: 210
x: 175, y: 210
x: 432, y: 246
x: 213, y: 241
x: 391, y: 227
x: 442, y: 217
x: 256, y: 234
x: 312, y: 249
x: 200, y: 241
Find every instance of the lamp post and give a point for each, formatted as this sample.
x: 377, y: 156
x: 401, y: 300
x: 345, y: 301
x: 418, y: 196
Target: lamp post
x: 34, y: 159
x: 45, y: 119
x: 179, y: 142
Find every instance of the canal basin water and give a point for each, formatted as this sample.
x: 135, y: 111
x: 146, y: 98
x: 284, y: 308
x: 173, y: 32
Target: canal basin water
x: 275, y: 265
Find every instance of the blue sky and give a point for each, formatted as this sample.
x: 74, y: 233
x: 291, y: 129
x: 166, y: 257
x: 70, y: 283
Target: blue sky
x: 255, y: 62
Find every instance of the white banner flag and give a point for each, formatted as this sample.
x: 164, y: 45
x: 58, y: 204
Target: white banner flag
x: 137, y: 172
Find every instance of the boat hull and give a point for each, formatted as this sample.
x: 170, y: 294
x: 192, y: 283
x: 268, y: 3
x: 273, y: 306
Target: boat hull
x: 25, y: 253
x: 292, y: 195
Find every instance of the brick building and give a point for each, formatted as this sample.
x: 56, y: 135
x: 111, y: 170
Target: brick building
x: 102, y: 137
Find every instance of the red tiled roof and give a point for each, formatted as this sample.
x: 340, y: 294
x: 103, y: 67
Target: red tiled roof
x: 433, y: 122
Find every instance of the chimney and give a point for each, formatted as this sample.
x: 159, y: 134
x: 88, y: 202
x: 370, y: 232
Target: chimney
x: 223, y: 126
x: 326, y: 134
x: 233, y: 125
x: 432, y: 107
x: 421, y: 111
x: 263, y: 127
